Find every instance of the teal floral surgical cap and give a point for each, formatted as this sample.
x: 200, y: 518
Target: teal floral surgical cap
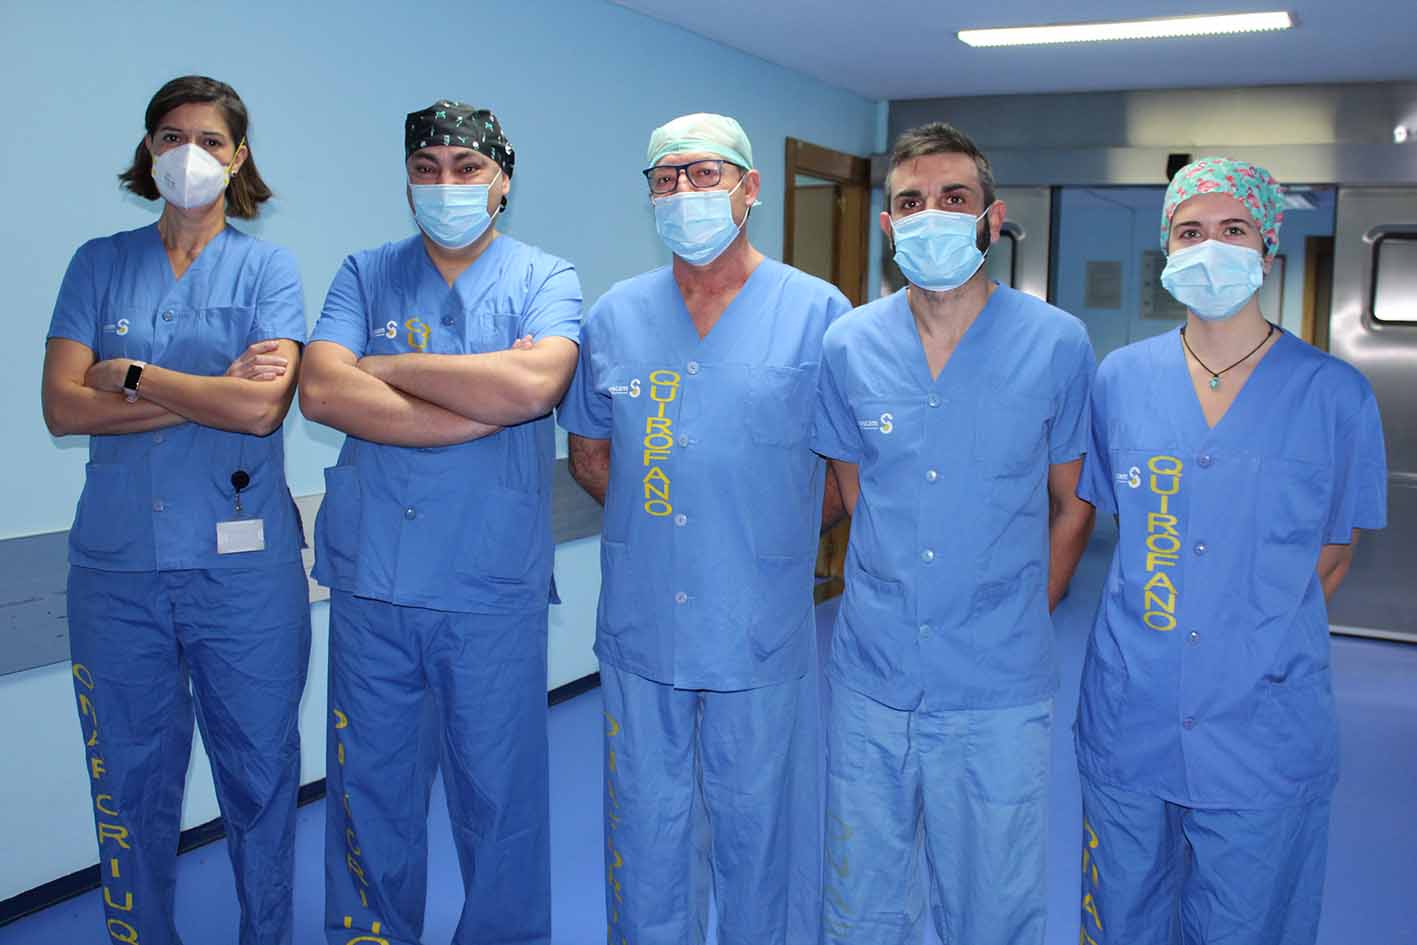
x: 1248, y: 183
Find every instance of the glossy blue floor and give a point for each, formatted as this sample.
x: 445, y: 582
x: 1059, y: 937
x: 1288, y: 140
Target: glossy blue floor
x: 1368, y: 896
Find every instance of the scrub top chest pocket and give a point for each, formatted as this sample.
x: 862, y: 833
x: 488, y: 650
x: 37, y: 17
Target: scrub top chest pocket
x: 1010, y: 434
x: 780, y: 401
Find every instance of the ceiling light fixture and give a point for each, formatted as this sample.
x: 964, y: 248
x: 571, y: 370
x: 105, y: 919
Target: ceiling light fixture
x: 1129, y: 29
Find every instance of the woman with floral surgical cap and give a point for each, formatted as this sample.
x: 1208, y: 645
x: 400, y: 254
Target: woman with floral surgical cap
x: 1239, y: 462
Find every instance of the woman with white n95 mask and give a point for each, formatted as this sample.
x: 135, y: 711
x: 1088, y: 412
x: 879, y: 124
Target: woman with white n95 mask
x: 174, y: 348
x: 1240, y: 464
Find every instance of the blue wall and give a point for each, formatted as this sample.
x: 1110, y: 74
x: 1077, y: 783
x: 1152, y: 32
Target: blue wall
x: 578, y: 85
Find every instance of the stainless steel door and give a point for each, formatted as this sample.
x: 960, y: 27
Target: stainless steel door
x: 1023, y: 249
x: 1374, y: 328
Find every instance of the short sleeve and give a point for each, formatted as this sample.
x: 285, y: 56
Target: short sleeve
x: 1070, y: 431
x: 554, y: 310
x: 1095, y: 483
x: 1360, y: 487
x: 586, y: 410
x: 76, y: 309
x: 344, y: 319
x: 834, y: 431
x: 280, y: 304
x: 837, y: 306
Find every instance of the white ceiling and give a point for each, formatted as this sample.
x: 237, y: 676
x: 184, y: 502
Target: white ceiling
x: 900, y: 49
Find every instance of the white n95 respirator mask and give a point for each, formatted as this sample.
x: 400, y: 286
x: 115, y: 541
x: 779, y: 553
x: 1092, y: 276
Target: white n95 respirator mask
x: 188, y: 176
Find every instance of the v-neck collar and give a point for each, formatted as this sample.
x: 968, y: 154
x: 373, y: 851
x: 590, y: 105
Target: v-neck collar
x: 466, y: 279
x: 720, y: 338
x: 197, y: 265
x: 1195, y: 413
x: 919, y: 362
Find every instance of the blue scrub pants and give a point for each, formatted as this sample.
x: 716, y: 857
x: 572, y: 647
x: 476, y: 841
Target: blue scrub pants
x: 485, y: 675
x: 970, y: 788
x: 710, y: 790
x: 242, y: 638
x: 1157, y: 873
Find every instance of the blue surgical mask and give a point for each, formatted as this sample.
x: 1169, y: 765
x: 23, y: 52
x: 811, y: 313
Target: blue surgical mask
x: 938, y: 250
x: 453, y: 215
x: 1214, y: 280
x: 697, y: 226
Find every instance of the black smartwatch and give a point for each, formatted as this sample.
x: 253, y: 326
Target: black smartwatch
x: 132, y: 380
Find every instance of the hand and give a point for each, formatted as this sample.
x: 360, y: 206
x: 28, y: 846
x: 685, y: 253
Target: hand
x: 523, y: 343
x: 257, y: 363
x: 108, y: 375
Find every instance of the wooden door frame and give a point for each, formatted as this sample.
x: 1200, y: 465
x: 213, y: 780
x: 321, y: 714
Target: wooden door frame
x: 852, y: 175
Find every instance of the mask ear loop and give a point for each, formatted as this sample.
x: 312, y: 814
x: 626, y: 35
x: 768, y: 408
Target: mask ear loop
x: 231, y: 167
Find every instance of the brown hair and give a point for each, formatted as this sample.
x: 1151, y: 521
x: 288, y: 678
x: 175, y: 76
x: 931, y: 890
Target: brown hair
x: 247, y: 191
x: 937, y: 137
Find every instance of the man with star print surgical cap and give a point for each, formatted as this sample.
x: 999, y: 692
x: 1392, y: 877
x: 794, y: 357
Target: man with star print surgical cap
x: 440, y: 356
x: 689, y: 419
x: 1240, y: 464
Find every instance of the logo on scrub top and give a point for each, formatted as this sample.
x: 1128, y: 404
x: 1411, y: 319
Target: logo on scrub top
x: 620, y: 390
x: 1131, y: 478
x: 118, y: 328
x: 418, y: 332
x: 390, y: 329
x: 883, y: 424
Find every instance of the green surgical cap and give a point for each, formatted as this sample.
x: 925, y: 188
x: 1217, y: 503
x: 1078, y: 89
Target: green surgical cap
x: 712, y: 134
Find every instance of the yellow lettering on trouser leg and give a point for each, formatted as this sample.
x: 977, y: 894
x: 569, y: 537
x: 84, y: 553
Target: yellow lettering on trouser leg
x: 1089, y: 905
x: 127, y: 901
x: 129, y: 934
x: 98, y: 803
x: 113, y: 832
x: 82, y: 674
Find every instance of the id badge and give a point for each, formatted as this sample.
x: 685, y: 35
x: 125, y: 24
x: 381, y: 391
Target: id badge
x: 239, y: 535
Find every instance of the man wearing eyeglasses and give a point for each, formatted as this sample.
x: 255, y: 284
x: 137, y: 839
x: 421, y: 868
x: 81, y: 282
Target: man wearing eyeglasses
x: 689, y: 418
x: 440, y: 356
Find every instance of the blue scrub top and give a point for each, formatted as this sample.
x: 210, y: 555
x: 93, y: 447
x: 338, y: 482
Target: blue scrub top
x: 714, y: 506
x: 463, y: 528
x: 947, y: 569
x: 151, y: 501
x: 1206, y: 680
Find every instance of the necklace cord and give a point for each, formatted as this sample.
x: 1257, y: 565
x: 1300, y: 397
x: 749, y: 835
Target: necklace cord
x: 1216, y: 374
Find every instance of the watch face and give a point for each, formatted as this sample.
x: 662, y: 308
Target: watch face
x: 135, y: 373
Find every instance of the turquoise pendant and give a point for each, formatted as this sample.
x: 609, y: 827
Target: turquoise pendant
x: 1215, y: 383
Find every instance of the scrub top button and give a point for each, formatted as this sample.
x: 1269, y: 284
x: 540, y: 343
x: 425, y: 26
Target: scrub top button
x: 157, y: 505
x: 924, y: 631
x: 448, y: 320
x: 1194, y: 638
x: 927, y: 555
x: 933, y: 400
x: 167, y: 316
x: 681, y: 598
x: 692, y: 367
x: 1188, y: 724
x: 1200, y: 548
x: 681, y: 519
x: 931, y: 475
x: 410, y: 513
x: 1204, y: 460
x: 683, y: 439
x: 158, y: 437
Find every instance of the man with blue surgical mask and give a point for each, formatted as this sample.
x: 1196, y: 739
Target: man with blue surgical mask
x: 441, y: 357
x: 689, y: 419
x: 955, y: 415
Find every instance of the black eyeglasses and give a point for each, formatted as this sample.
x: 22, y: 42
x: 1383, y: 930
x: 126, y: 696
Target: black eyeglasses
x: 664, y: 178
